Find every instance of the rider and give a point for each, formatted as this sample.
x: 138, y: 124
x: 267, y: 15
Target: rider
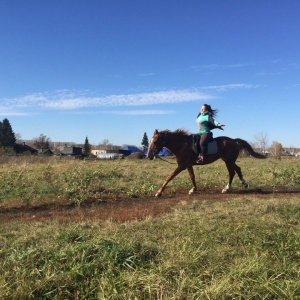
x: 205, y: 122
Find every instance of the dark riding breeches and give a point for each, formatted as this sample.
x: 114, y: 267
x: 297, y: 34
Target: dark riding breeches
x: 204, y: 139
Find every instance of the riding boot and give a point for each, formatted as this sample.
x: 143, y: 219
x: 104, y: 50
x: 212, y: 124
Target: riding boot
x: 200, y: 158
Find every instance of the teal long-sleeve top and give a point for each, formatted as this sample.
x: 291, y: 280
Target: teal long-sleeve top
x: 206, y: 123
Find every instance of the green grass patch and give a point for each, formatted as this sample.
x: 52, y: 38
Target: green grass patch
x: 246, y: 248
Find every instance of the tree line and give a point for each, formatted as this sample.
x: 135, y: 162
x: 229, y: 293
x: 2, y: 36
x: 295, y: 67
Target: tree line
x: 8, y: 139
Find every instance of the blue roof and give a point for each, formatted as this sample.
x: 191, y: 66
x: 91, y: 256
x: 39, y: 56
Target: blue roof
x: 163, y: 152
x: 132, y: 149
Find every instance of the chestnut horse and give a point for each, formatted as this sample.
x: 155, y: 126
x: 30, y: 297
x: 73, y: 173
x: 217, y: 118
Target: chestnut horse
x: 179, y: 142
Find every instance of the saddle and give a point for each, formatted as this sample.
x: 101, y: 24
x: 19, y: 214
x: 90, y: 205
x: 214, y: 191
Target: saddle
x: 212, y: 146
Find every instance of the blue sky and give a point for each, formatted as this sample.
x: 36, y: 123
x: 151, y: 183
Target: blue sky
x: 114, y: 69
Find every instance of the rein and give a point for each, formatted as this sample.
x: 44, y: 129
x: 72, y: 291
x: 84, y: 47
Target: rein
x: 172, y: 163
x: 164, y: 142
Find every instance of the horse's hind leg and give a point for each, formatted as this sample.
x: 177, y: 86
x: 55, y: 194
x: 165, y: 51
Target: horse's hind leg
x: 239, y: 172
x: 232, y: 169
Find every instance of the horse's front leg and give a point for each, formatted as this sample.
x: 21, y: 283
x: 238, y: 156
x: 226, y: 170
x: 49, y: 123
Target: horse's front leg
x: 192, y: 176
x: 168, y: 179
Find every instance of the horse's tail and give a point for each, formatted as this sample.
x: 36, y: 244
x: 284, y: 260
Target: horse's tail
x: 245, y: 145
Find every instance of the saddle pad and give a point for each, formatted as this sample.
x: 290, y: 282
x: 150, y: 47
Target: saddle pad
x: 212, y: 147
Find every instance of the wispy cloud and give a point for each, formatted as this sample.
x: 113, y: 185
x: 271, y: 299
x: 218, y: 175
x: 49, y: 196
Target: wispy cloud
x: 7, y: 111
x: 141, y: 112
x: 227, y: 87
x: 124, y: 112
x: 146, y: 74
x: 219, y: 66
x: 69, y: 100
x: 270, y: 64
x: 66, y: 100
x: 164, y: 97
x: 268, y: 73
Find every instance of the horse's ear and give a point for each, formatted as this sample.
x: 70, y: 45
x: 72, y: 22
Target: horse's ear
x: 155, y: 131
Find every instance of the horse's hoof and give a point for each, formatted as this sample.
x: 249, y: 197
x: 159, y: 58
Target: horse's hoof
x: 192, y: 192
x: 224, y: 191
x: 157, y: 195
x: 245, y: 184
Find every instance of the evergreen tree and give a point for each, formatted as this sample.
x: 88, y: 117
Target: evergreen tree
x: 145, y: 141
x: 86, y: 147
x: 7, y: 136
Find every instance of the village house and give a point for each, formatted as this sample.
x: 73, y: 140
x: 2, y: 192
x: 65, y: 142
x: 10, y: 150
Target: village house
x: 70, y: 150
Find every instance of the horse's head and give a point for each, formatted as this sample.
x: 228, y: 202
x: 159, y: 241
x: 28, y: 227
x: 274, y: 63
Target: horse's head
x: 156, y: 144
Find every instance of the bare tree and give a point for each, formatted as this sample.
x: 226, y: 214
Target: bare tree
x: 42, y: 142
x: 105, y: 145
x: 105, y: 142
x: 276, y: 148
x: 262, y: 141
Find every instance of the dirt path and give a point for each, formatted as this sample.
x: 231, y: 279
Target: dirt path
x: 125, y: 209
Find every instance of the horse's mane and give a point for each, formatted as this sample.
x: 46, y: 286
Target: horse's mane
x: 177, y: 132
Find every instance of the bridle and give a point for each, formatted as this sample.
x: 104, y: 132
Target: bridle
x: 162, y: 138
x: 162, y: 135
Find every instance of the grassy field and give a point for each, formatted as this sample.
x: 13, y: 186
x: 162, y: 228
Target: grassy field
x: 35, y: 180
x: 243, y: 247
